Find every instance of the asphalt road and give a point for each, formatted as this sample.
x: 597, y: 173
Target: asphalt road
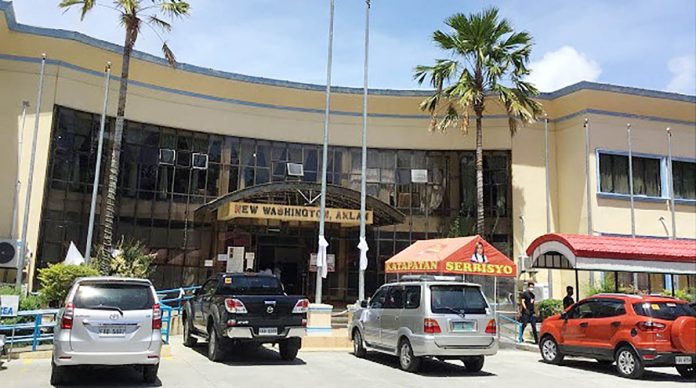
x: 263, y: 368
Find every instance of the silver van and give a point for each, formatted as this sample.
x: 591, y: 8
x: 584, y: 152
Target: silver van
x: 108, y: 321
x: 426, y: 317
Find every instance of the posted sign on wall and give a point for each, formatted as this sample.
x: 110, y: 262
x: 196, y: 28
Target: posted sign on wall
x: 9, y: 305
x: 290, y: 213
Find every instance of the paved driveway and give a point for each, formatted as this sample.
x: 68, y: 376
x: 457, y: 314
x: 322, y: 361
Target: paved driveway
x: 262, y: 369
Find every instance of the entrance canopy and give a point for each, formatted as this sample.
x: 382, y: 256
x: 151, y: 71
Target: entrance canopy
x: 613, y: 254
x: 299, y: 201
x: 450, y: 256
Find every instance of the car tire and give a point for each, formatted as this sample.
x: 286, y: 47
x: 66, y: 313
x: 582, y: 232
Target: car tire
x: 189, y: 340
x: 550, y: 351
x: 57, y: 374
x: 215, y: 350
x: 358, y: 345
x: 288, y: 349
x: 407, y: 361
x: 473, y: 364
x: 628, y: 364
x: 150, y: 373
x: 687, y: 371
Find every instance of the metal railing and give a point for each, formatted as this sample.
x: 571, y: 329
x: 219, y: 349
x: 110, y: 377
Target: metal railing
x: 508, y: 327
x: 41, y: 328
x: 171, y: 306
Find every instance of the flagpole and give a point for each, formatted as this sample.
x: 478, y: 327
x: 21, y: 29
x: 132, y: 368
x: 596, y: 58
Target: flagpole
x: 321, y: 254
x: 588, y: 189
x: 97, y: 168
x: 671, y: 182
x: 30, y: 181
x: 18, y: 184
x: 630, y: 180
x: 363, y: 189
x: 549, y: 272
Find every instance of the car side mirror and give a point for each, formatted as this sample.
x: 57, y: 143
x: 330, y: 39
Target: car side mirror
x: 363, y: 304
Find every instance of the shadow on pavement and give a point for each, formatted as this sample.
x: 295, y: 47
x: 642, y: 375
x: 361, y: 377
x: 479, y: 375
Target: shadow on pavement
x: 122, y: 376
x: 250, y: 356
x: 651, y: 374
x: 429, y: 367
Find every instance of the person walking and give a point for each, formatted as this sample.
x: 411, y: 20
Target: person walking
x: 528, y: 315
x: 568, y: 300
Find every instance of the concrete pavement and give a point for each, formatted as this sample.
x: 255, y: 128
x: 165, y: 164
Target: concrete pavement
x: 260, y: 369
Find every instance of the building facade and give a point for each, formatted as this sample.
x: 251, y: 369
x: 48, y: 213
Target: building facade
x: 194, y: 135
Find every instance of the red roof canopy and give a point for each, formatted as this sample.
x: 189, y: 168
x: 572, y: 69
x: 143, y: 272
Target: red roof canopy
x: 451, y: 256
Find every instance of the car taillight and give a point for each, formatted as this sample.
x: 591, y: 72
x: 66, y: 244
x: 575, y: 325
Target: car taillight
x: 491, y: 327
x: 235, y: 306
x: 430, y: 326
x: 651, y: 326
x: 301, y: 307
x: 67, y: 321
x: 156, y: 317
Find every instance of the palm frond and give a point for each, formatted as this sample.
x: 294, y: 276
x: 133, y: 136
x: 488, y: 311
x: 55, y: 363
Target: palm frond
x: 174, y: 8
x: 87, y: 5
x: 169, y: 55
x: 159, y: 23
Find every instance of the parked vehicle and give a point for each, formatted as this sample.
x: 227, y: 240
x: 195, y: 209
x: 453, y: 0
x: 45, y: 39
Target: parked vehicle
x: 633, y: 331
x: 426, y: 316
x: 245, y: 308
x: 110, y: 322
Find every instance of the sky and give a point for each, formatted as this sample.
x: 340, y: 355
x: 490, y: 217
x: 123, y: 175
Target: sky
x: 647, y: 44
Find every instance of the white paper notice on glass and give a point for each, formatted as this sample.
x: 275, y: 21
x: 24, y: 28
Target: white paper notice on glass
x: 222, y: 257
x: 249, y: 258
x: 208, y: 263
x: 235, y: 262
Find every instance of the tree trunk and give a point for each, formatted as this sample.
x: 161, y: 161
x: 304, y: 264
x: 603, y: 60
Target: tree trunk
x: 480, y: 225
x: 107, y: 217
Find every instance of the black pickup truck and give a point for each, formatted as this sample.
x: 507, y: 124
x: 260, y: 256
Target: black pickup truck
x: 238, y: 308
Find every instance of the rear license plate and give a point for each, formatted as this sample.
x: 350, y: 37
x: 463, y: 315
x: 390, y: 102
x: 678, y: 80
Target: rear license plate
x: 112, y: 331
x: 464, y: 326
x: 268, y: 331
x: 683, y: 360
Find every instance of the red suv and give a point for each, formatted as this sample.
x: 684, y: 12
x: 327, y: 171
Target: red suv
x: 633, y: 331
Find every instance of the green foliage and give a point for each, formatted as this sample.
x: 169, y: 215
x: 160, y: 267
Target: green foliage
x: 549, y: 307
x: 687, y: 295
x: 606, y: 286
x: 26, y: 303
x: 130, y: 260
x: 57, y: 279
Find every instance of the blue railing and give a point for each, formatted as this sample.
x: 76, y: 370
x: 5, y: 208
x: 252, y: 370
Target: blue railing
x: 172, y: 301
x: 41, y: 331
x: 505, y: 331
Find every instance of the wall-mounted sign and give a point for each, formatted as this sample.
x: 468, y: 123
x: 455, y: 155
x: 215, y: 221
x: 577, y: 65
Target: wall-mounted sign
x: 235, y: 261
x: 419, y: 176
x: 289, y: 213
x: 9, y: 305
x: 330, y: 261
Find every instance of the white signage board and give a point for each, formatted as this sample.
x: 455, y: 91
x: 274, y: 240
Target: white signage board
x: 208, y: 263
x: 249, y: 257
x: 330, y: 261
x: 419, y: 176
x: 222, y: 257
x: 235, y: 262
x: 9, y: 305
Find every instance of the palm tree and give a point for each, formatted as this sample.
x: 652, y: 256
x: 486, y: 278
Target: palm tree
x: 133, y: 15
x: 488, y: 60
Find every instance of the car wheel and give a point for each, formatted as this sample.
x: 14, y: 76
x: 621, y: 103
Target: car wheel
x: 549, y: 351
x: 150, y: 373
x: 215, y: 351
x: 189, y: 340
x: 628, y: 364
x: 57, y: 374
x: 289, y: 348
x: 407, y: 361
x: 687, y: 371
x: 358, y: 346
x: 473, y: 364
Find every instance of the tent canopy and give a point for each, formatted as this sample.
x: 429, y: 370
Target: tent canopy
x: 613, y: 254
x: 450, y: 256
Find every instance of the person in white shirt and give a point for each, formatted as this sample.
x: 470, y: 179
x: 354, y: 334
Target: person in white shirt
x: 479, y: 256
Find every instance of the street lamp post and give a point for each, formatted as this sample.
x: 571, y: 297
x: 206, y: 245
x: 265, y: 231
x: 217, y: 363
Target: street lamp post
x: 18, y: 184
x: 671, y: 182
x: 363, y: 187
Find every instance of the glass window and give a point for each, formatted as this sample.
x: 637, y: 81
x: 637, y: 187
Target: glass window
x: 669, y: 311
x: 613, y: 170
x: 379, y: 298
x: 684, y: 175
x: 584, y: 310
x: 457, y: 299
x: 606, y: 308
x: 412, y: 297
x: 250, y: 285
x: 119, y: 296
x: 395, y: 298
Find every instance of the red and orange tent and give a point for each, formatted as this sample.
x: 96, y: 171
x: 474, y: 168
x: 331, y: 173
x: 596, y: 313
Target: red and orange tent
x: 451, y: 256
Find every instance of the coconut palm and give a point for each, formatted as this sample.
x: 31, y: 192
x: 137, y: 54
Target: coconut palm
x: 487, y: 62
x: 133, y: 15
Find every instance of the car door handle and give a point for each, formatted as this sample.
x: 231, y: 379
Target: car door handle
x: 583, y: 324
x: 616, y: 324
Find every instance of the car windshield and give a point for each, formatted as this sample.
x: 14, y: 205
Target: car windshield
x: 664, y: 310
x: 250, y: 285
x: 457, y: 299
x: 114, y: 296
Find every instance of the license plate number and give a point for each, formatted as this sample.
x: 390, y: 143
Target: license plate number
x: 112, y: 331
x: 268, y: 331
x: 683, y: 360
x: 464, y: 326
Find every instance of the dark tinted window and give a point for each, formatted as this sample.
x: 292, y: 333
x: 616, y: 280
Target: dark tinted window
x: 609, y: 308
x: 412, y: 296
x: 122, y: 296
x: 250, y: 285
x: 377, y: 301
x: 455, y: 299
x: 395, y: 298
x: 585, y: 310
x: 664, y: 310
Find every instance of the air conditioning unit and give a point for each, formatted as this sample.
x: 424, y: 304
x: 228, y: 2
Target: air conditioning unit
x: 200, y: 161
x: 295, y: 169
x: 167, y: 156
x: 9, y: 253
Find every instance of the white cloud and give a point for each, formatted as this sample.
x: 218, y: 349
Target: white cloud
x: 683, y: 71
x: 563, y: 67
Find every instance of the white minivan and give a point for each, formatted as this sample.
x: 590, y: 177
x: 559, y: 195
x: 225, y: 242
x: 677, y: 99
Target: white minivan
x: 108, y: 321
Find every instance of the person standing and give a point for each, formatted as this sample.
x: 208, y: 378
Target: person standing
x: 528, y: 315
x: 568, y: 300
